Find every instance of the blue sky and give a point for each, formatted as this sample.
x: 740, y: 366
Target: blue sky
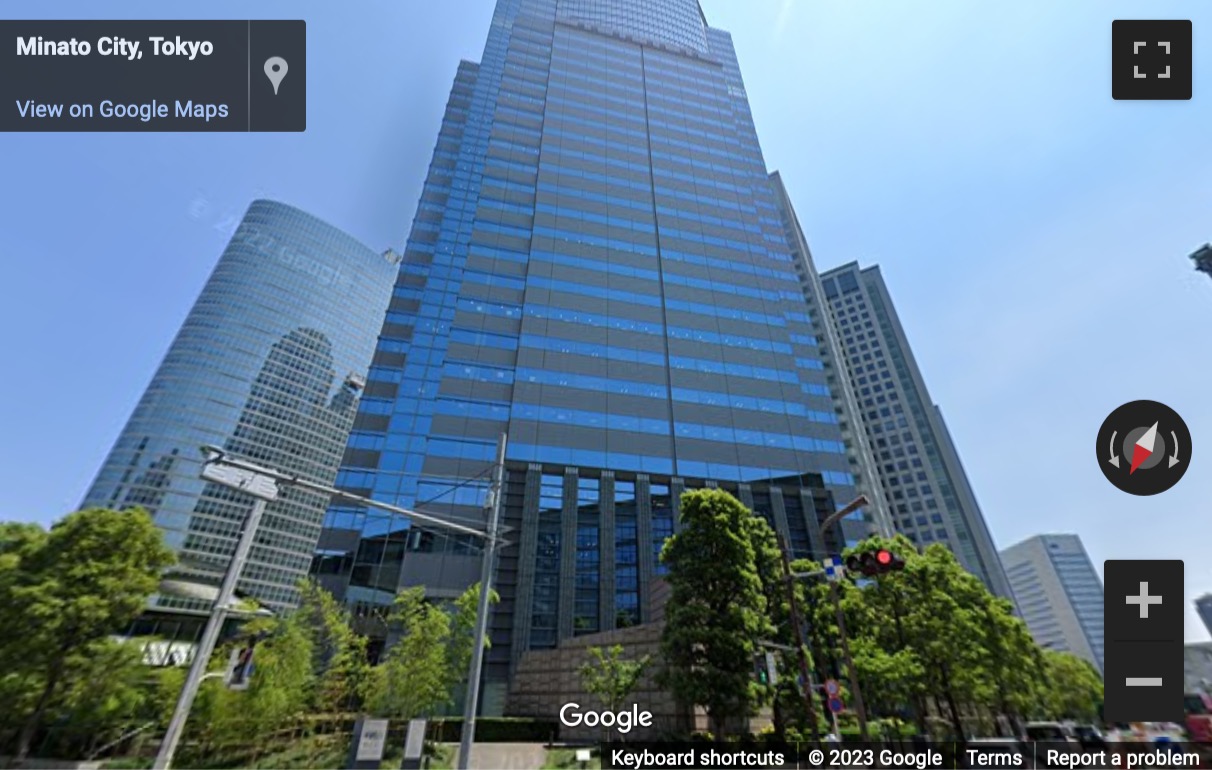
x: 1033, y: 231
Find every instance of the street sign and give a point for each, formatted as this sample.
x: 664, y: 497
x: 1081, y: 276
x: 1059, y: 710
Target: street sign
x: 836, y: 706
x: 772, y: 668
x: 832, y: 687
x: 254, y: 484
x: 834, y: 571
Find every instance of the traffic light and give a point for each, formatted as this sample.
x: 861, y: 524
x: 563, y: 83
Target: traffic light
x: 765, y: 668
x: 872, y: 563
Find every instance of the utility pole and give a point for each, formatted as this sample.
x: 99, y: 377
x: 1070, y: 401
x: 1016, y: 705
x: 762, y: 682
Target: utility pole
x: 800, y: 643
x: 855, y: 692
x: 496, y: 494
x: 264, y: 489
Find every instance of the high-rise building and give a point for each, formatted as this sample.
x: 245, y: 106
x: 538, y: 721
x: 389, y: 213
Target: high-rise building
x: 1058, y: 593
x: 597, y: 268
x: 1202, y: 257
x: 1203, y: 605
x: 269, y: 364
x: 845, y: 396
x: 925, y: 487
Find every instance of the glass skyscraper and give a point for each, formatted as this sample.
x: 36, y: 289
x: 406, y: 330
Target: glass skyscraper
x: 269, y: 364
x: 599, y: 269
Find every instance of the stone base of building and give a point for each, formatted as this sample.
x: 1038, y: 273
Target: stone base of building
x: 546, y: 680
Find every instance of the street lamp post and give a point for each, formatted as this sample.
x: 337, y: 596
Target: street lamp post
x: 263, y: 489
x: 264, y: 483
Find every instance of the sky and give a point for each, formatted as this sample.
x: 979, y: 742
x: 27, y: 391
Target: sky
x: 1033, y: 232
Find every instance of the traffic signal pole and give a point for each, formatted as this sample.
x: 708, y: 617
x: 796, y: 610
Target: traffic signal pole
x: 800, y: 643
x: 855, y: 692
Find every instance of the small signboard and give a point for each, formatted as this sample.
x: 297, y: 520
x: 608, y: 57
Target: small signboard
x: 836, y: 705
x: 832, y: 687
x: 373, y: 740
x: 369, y: 742
x: 414, y: 745
x: 834, y: 569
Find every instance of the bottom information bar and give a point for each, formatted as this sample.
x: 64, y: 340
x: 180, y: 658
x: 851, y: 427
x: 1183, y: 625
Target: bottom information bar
x: 977, y: 753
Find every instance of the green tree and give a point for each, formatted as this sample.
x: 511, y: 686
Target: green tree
x: 420, y: 671
x: 932, y: 633
x: 283, y: 676
x: 1074, y: 687
x: 611, y: 676
x: 716, y: 611
x: 68, y: 591
x: 338, y: 652
x: 1014, y: 663
x: 105, y: 693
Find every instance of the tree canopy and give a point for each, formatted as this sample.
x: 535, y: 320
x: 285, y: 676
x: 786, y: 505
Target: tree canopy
x: 69, y: 590
x: 932, y: 641
x: 717, y: 608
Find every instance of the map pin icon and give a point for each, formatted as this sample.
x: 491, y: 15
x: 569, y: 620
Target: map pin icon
x: 275, y: 70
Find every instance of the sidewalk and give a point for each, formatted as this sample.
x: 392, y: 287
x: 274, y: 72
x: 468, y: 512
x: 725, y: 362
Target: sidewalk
x: 507, y: 756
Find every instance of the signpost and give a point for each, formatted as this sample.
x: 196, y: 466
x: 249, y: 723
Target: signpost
x: 836, y: 707
x: 414, y: 745
x: 369, y: 741
x: 833, y: 695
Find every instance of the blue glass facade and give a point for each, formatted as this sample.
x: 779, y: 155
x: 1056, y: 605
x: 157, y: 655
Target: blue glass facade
x: 597, y: 268
x: 270, y: 364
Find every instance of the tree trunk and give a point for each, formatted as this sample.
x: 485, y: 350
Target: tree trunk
x: 919, y: 716
x: 53, y: 675
x: 956, y: 722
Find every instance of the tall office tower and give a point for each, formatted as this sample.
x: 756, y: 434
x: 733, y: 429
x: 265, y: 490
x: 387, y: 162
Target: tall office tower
x: 924, y: 483
x: 1203, y: 605
x: 1202, y: 257
x: 598, y: 269
x: 845, y: 397
x: 1058, y: 593
x: 269, y: 364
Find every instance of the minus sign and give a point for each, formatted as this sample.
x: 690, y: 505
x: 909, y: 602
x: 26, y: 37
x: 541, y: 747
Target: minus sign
x: 1144, y: 681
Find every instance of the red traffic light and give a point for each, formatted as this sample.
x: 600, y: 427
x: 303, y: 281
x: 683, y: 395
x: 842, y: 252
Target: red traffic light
x: 874, y: 563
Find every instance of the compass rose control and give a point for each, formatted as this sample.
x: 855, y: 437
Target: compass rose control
x: 1143, y: 448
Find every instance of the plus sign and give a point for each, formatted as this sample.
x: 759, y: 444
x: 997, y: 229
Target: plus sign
x: 1144, y: 600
